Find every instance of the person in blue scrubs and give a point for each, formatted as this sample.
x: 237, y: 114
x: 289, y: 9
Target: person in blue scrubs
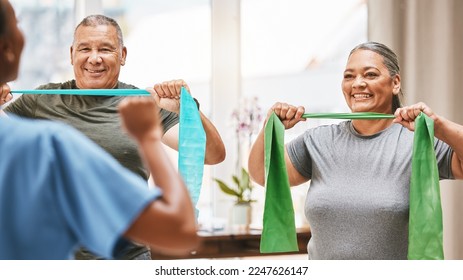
x: 59, y: 190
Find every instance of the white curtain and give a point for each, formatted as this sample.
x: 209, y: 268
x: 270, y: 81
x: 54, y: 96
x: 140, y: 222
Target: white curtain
x: 427, y: 35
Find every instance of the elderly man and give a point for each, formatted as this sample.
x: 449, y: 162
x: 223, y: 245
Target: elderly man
x: 42, y: 212
x: 97, y: 54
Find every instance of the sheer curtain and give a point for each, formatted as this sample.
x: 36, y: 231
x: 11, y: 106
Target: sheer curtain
x: 427, y: 36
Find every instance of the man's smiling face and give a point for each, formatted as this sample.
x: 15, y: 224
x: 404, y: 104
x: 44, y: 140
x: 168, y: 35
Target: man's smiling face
x: 97, y: 57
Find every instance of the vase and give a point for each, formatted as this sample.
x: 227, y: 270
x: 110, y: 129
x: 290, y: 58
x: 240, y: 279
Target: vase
x: 240, y: 217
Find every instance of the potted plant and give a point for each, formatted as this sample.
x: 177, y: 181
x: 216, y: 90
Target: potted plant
x: 241, y: 211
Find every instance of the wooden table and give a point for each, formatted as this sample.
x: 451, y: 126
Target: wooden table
x: 223, y: 244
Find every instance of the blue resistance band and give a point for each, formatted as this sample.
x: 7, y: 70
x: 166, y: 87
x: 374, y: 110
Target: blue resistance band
x: 191, y: 146
x: 96, y: 92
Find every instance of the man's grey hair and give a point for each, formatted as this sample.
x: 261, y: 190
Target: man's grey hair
x: 96, y: 20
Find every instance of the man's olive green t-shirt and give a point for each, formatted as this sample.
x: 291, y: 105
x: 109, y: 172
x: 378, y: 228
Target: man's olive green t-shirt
x: 95, y: 116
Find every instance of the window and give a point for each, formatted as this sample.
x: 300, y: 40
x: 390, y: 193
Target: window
x: 48, y: 27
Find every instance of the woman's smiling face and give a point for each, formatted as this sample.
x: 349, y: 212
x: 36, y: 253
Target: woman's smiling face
x: 367, y: 84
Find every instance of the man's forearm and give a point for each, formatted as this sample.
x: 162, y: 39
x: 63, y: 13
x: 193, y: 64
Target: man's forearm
x: 215, y: 149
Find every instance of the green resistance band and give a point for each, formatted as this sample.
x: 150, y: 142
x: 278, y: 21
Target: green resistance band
x: 279, y: 228
x: 350, y: 116
x: 96, y: 92
x: 425, y: 228
x: 425, y: 225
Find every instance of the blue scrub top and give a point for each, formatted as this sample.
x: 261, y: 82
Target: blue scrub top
x: 59, y: 190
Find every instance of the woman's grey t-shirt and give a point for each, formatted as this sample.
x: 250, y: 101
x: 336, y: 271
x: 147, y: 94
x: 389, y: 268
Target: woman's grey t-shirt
x: 358, y: 201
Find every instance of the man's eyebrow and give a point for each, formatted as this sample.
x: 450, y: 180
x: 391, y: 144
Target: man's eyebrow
x: 83, y: 44
x: 102, y: 44
x: 109, y: 44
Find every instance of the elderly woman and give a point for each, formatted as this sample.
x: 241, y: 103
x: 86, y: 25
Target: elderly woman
x: 359, y: 171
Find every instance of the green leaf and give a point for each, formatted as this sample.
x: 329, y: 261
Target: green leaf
x: 227, y: 189
x: 236, y: 180
x: 243, y: 187
x: 245, y: 183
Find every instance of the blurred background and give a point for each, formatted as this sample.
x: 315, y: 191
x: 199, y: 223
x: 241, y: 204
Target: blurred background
x: 241, y: 56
